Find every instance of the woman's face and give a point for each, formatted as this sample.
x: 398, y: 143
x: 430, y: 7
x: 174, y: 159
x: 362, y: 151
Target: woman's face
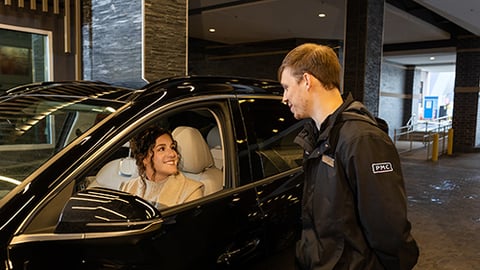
x: 163, y: 160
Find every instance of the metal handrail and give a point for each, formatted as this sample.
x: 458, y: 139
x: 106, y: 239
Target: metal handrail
x: 428, y: 127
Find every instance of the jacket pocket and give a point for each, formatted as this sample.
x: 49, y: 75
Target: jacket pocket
x: 313, y: 253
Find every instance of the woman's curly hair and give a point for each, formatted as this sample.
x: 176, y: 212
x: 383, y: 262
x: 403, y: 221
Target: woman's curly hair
x: 143, y: 143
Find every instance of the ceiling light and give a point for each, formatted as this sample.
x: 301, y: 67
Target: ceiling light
x: 322, y: 15
x: 432, y: 58
x: 211, y: 30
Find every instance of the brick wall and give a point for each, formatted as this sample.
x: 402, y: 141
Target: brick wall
x: 363, y: 51
x: 466, y: 98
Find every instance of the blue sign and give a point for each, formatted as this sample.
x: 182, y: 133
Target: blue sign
x: 430, y: 107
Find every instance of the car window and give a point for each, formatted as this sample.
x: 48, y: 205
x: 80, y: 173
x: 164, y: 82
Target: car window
x: 271, y: 130
x: 33, y: 129
x: 117, y: 166
x: 199, y: 145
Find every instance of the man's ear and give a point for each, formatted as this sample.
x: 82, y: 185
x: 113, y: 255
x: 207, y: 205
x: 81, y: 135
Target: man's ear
x: 307, y: 79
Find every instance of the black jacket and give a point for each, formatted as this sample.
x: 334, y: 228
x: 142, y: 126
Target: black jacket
x: 354, y: 204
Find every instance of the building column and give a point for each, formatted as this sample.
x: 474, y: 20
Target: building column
x: 466, y: 110
x: 131, y: 43
x: 412, y: 93
x: 363, y: 51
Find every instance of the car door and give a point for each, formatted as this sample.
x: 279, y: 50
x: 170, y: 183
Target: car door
x: 219, y: 231
x: 277, y: 172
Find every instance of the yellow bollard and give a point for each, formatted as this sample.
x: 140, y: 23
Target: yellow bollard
x: 450, y: 142
x: 435, y: 147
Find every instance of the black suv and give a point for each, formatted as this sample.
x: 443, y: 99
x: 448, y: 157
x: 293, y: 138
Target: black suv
x: 65, y: 152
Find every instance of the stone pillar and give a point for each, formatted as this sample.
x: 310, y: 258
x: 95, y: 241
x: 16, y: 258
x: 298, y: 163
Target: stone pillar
x: 133, y: 42
x: 412, y: 93
x: 363, y: 51
x: 466, y: 115
x: 165, y: 41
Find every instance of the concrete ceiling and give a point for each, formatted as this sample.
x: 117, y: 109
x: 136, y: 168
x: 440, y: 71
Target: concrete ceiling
x: 414, y: 30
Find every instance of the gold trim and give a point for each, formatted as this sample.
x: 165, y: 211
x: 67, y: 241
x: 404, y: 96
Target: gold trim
x: 466, y: 89
x: 33, y: 4
x: 66, y: 25
x: 78, y: 43
x: 56, y: 7
x: 468, y: 50
x: 45, y: 5
x: 21, y: 3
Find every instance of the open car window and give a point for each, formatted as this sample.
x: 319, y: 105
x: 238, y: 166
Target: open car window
x: 197, y: 133
x: 107, y: 173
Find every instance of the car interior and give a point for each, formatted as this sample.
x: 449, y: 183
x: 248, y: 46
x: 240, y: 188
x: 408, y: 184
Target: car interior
x: 199, y: 147
x: 196, y: 159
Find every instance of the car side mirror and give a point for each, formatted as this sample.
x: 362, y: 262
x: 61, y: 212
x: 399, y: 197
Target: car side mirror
x: 105, y: 210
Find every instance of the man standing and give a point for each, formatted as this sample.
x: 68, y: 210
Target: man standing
x: 354, y: 209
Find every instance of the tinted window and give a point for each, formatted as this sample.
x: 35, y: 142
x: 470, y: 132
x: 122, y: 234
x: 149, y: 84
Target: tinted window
x: 271, y: 129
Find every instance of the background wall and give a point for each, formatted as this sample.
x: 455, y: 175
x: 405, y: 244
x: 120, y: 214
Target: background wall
x: 112, y: 42
x: 131, y: 43
x: 262, y: 60
x: 63, y: 68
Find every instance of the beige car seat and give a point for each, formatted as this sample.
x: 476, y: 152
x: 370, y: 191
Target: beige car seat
x: 115, y: 172
x: 215, y: 144
x: 196, y: 160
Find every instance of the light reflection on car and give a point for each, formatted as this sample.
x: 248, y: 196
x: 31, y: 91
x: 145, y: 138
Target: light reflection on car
x: 65, y: 152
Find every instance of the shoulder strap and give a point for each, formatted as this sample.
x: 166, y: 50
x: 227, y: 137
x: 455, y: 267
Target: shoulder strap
x: 350, y: 115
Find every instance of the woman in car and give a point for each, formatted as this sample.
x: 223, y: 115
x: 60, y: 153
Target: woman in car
x: 160, y: 181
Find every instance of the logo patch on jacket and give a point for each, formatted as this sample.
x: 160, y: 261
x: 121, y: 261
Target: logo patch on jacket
x: 382, y: 167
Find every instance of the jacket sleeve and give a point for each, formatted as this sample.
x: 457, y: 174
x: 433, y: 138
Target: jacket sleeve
x: 372, y: 166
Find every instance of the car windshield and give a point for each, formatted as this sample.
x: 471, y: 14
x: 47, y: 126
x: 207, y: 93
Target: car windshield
x: 34, y: 127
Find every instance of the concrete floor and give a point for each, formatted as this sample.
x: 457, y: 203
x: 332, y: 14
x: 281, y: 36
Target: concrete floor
x: 444, y: 209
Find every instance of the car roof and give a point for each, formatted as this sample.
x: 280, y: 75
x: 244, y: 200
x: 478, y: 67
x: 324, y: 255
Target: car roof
x: 91, y: 89
x: 169, y: 88
x: 207, y: 85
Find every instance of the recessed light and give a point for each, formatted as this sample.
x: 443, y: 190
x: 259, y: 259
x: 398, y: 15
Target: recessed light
x: 211, y: 30
x: 432, y: 58
x: 322, y: 15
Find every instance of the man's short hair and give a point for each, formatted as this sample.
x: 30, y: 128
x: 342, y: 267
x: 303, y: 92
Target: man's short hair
x: 318, y: 60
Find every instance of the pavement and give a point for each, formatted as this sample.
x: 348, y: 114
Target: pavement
x: 444, y: 207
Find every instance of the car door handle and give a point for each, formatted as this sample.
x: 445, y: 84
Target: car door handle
x: 230, y: 256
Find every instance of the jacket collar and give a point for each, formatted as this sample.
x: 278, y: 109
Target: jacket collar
x: 310, y: 136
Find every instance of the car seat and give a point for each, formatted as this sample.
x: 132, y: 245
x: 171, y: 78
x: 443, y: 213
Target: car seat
x: 116, y: 171
x: 215, y: 144
x: 196, y: 160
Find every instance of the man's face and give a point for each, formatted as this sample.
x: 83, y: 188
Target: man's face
x: 165, y: 159
x: 295, y: 94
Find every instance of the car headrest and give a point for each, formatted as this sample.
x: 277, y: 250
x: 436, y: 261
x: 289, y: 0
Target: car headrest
x: 193, y: 149
x: 213, y: 137
x: 115, y: 172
